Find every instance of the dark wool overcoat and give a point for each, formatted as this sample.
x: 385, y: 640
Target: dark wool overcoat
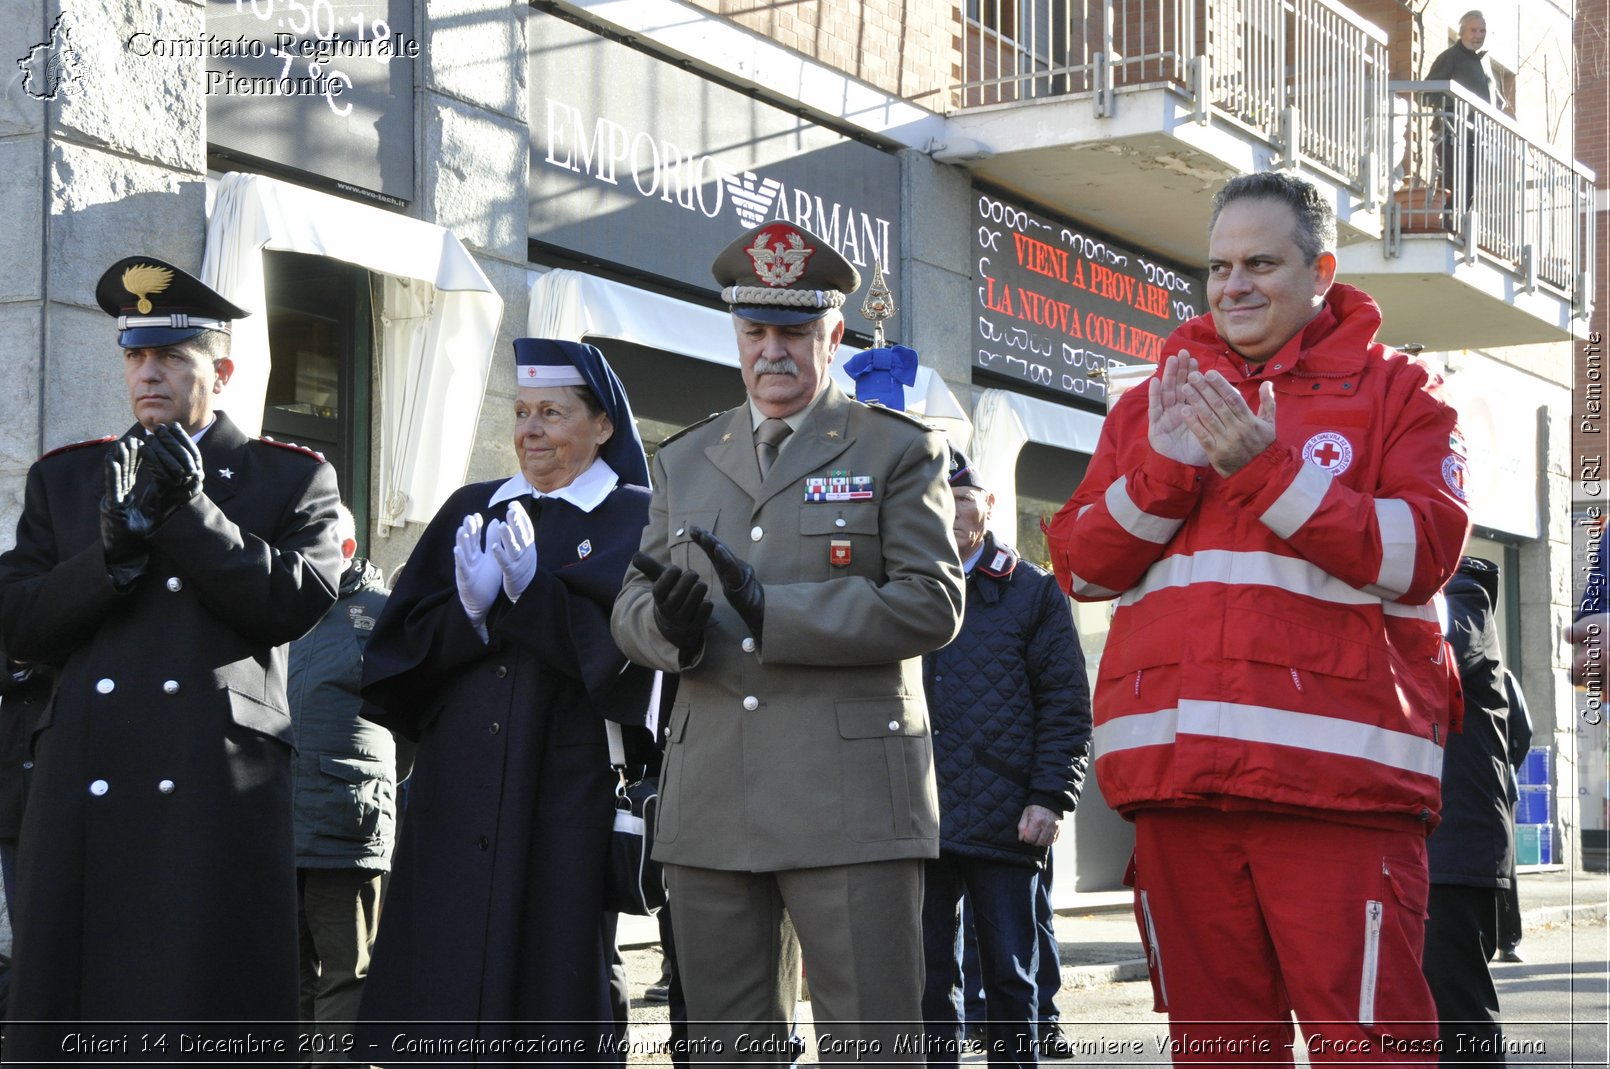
x: 156, y: 882
x: 494, y: 929
x: 1474, y: 843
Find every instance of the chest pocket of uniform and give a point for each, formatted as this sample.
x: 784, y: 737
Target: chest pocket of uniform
x: 683, y: 552
x: 839, y: 538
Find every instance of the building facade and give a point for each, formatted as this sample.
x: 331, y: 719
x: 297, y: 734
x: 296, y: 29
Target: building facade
x: 398, y: 190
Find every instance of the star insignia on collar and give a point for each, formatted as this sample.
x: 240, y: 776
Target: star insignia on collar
x: 727, y: 437
x: 832, y: 434
x: 226, y: 473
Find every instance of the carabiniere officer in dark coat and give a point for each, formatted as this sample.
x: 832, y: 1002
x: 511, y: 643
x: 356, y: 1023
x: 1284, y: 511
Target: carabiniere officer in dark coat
x: 162, y: 573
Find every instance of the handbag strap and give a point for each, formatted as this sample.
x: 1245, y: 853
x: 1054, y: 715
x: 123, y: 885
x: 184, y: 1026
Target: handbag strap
x: 612, y: 730
x: 617, y: 748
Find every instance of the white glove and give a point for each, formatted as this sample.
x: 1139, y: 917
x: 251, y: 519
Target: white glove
x: 515, y: 550
x: 476, y: 573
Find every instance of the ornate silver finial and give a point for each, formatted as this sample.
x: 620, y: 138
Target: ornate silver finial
x: 879, y: 304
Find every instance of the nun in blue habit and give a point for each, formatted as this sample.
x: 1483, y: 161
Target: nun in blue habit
x: 494, y: 655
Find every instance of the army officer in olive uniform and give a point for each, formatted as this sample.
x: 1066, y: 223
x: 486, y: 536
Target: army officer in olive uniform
x: 798, y: 783
x: 161, y: 574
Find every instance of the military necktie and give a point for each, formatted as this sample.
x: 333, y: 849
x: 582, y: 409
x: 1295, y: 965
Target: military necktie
x: 769, y: 437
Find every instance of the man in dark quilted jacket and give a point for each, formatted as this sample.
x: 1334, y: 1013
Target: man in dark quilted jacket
x: 1011, y: 718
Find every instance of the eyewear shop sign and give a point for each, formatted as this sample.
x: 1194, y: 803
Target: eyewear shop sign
x: 324, y: 87
x: 1054, y: 304
x: 638, y: 162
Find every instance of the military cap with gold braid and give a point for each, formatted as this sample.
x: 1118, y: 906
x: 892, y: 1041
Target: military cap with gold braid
x: 783, y: 274
x: 157, y: 304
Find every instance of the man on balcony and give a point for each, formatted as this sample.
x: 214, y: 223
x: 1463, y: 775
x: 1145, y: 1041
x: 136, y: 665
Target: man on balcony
x: 1463, y: 62
x: 1274, y: 513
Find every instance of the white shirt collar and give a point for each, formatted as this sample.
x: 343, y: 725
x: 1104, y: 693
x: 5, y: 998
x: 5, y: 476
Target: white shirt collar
x: 587, y: 491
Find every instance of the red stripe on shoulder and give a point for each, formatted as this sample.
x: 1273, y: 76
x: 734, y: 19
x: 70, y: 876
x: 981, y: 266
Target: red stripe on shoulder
x: 293, y: 447
x: 79, y: 445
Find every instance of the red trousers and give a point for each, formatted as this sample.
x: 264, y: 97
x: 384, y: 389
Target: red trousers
x: 1250, y: 917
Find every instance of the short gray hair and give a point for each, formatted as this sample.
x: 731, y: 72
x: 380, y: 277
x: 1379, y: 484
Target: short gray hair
x: 1316, y: 219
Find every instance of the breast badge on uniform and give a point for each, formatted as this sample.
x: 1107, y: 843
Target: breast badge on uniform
x: 838, y: 486
x: 584, y: 550
x: 1330, y: 450
x: 838, y: 552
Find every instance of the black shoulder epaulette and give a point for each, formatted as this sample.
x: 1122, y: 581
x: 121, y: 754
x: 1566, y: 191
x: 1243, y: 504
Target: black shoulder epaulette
x: 690, y: 427
x: 887, y: 411
x: 293, y: 447
x: 79, y: 445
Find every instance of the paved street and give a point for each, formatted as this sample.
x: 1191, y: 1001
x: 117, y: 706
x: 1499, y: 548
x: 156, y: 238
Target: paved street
x: 1554, y: 1003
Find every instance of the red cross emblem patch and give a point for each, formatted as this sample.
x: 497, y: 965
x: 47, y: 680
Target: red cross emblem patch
x: 1331, y: 451
x: 1454, y: 473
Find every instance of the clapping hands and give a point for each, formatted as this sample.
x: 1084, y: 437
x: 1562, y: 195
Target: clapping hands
x: 1201, y: 419
x: 124, y: 524
x: 506, y: 560
x: 177, y: 474
x: 476, y: 572
x: 513, y: 544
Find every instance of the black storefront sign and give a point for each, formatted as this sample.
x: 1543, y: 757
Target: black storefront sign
x: 640, y: 163
x: 1055, y: 301
x: 318, y: 88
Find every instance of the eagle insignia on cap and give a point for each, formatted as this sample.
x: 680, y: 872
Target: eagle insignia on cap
x: 775, y: 265
x: 142, y: 280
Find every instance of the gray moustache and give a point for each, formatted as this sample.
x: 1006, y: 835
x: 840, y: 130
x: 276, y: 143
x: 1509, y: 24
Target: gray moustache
x: 785, y: 366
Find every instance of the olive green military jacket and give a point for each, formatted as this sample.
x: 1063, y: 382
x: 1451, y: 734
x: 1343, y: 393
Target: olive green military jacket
x: 813, y: 749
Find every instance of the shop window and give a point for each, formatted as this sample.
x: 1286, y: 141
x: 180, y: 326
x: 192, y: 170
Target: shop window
x: 320, y: 338
x: 1046, y: 478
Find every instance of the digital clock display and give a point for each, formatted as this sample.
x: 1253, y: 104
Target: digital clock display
x: 324, y: 87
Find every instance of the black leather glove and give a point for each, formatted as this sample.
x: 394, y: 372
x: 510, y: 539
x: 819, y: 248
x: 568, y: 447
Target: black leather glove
x: 124, y: 524
x: 177, y: 470
x: 681, y: 604
x: 744, y: 592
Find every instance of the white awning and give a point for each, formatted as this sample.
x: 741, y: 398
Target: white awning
x: 1058, y: 425
x: 438, y: 317
x: 1004, y: 423
x: 573, y: 305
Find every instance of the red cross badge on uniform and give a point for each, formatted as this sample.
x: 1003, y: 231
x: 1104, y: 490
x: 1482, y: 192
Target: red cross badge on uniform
x: 1454, y: 473
x: 1331, y: 451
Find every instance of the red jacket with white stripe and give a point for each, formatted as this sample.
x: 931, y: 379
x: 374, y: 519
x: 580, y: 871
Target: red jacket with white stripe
x: 1273, y: 645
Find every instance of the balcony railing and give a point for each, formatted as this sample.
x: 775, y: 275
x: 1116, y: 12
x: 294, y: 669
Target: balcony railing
x: 1238, y: 59
x: 1468, y: 172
